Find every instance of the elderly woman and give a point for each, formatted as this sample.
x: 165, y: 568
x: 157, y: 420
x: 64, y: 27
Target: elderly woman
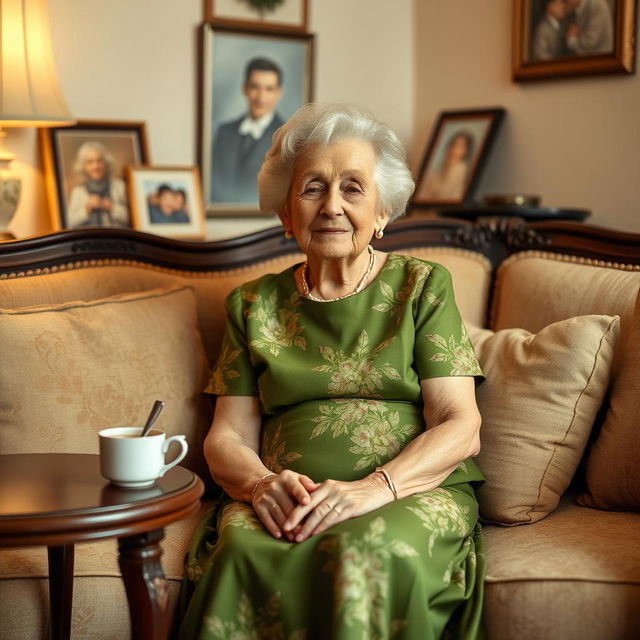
x: 101, y: 199
x: 345, y: 418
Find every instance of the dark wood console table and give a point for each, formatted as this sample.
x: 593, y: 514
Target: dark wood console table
x: 60, y: 499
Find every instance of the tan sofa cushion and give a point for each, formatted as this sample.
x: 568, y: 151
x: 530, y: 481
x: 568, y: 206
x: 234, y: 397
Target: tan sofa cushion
x: 538, y: 404
x: 534, y: 289
x: 574, y: 575
x: 71, y: 369
x: 101, y: 279
x: 613, y: 466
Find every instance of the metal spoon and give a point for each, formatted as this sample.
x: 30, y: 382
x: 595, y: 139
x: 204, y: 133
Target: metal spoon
x: 157, y: 408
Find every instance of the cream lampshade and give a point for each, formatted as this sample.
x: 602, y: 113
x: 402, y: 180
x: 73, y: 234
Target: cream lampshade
x: 29, y: 91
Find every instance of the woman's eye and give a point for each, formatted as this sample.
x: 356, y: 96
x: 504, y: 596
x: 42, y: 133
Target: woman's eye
x: 312, y: 189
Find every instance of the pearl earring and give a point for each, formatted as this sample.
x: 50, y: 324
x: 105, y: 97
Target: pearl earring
x: 379, y: 234
x: 287, y: 234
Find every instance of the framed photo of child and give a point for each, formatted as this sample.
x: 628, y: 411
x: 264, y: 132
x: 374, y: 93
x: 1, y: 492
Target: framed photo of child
x: 167, y: 201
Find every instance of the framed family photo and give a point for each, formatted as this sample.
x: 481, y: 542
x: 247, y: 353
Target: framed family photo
x: 561, y: 38
x: 456, y: 154
x: 286, y: 15
x: 85, y: 171
x: 167, y: 201
x: 252, y: 83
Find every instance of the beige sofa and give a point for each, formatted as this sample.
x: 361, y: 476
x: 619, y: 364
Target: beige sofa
x: 572, y: 574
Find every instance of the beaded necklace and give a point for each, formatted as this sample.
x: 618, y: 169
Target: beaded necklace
x: 358, y: 289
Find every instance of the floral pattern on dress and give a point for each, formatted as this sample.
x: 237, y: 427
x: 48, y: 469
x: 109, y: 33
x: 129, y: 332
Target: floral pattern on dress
x: 263, y: 624
x: 274, y: 452
x: 223, y: 371
x: 459, y: 353
x: 396, y: 303
x: 239, y: 514
x: 377, y: 432
x: 361, y: 580
x: 441, y: 514
x: 278, y: 322
x: 357, y: 374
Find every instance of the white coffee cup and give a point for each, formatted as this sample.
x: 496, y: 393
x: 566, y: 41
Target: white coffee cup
x: 129, y: 460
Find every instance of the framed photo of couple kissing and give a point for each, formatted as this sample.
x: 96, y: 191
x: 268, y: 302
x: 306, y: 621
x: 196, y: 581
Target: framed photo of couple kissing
x: 562, y: 38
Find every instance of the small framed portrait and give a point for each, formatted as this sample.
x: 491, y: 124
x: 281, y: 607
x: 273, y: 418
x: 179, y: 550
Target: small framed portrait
x: 560, y: 38
x: 85, y: 171
x: 284, y: 15
x: 252, y: 83
x: 456, y: 154
x: 167, y: 201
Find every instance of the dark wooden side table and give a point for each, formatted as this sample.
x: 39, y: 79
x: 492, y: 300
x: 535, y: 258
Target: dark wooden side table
x: 60, y: 499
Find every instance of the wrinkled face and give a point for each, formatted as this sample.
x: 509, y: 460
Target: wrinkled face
x: 94, y: 165
x: 557, y: 9
x: 458, y: 149
x: 263, y: 93
x: 333, y: 207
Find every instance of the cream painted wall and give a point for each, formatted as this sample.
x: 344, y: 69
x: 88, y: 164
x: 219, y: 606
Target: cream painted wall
x: 136, y: 60
x: 576, y: 141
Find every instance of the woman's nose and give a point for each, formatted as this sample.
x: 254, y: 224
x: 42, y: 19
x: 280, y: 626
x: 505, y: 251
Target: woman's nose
x: 332, y: 205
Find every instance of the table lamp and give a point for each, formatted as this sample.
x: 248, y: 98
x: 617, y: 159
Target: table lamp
x: 29, y: 92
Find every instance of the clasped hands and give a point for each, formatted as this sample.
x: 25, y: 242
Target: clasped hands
x: 292, y: 505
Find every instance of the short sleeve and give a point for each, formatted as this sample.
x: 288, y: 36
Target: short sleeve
x: 442, y: 347
x: 234, y: 373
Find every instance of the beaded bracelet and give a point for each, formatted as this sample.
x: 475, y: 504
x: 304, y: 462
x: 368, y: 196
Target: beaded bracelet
x: 258, y: 481
x: 389, y: 481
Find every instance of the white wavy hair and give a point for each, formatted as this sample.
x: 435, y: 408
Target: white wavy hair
x: 325, y: 124
x: 84, y: 149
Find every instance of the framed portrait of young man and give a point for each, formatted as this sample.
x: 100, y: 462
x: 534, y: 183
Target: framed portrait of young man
x: 85, y: 171
x: 252, y: 83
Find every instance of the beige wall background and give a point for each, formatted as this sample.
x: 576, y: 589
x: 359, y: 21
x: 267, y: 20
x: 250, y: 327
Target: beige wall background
x: 576, y: 142
x: 137, y: 60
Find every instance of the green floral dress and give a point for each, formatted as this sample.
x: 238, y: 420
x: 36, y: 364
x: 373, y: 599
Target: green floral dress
x: 339, y: 387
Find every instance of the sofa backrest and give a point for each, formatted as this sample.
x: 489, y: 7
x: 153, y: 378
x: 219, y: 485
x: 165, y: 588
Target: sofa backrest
x: 95, y: 279
x: 534, y: 289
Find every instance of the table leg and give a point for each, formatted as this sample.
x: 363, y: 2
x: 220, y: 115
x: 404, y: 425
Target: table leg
x: 146, y: 585
x: 60, y: 590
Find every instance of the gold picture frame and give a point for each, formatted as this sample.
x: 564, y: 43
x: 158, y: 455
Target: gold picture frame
x: 289, y: 16
x: 565, y: 38
x: 64, y: 150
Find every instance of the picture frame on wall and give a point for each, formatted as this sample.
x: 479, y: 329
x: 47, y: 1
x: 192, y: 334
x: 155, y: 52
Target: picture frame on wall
x: 252, y: 82
x: 563, y: 38
x: 167, y: 201
x: 456, y: 154
x: 286, y: 15
x: 85, y: 171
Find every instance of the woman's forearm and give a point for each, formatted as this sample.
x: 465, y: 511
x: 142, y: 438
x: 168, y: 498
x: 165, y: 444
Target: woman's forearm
x: 433, y: 455
x: 234, y: 466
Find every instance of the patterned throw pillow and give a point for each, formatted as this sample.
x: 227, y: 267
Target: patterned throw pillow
x: 538, y: 404
x: 69, y: 370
